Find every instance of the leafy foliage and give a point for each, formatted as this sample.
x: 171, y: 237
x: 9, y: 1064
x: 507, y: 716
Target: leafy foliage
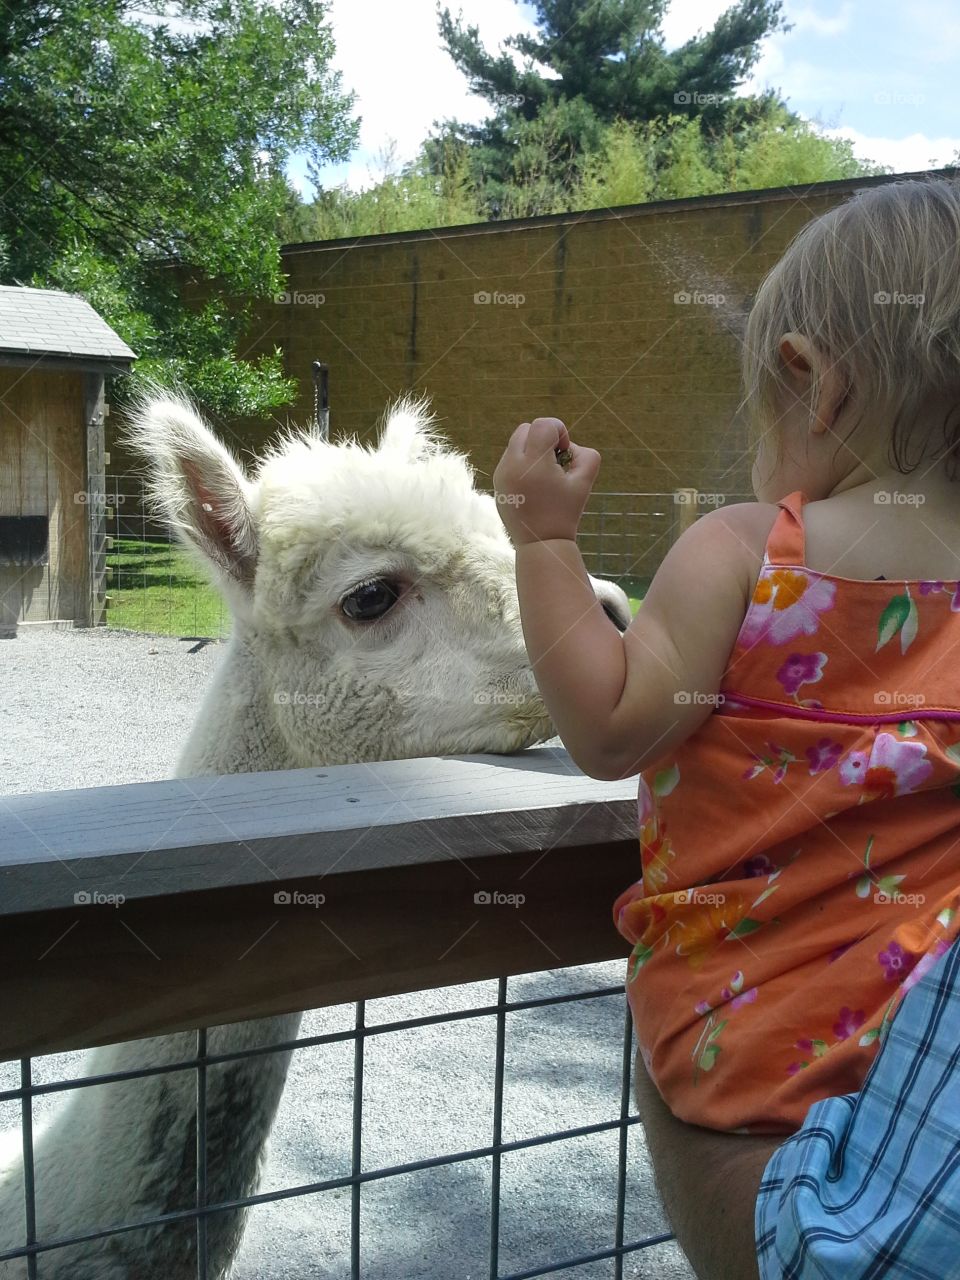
x: 403, y: 198
x: 628, y: 164
x: 589, y: 65
x: 143, y: 144
x: 597, y: 113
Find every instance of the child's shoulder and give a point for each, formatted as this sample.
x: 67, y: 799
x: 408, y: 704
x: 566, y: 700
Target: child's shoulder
x: 713, y: 566
x: 740, y: 530
x: 751, y: 521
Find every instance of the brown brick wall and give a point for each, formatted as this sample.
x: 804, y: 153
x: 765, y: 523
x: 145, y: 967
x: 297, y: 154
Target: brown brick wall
x: 598, y: 340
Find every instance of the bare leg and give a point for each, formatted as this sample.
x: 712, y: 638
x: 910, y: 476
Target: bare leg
x: 708, y: 1183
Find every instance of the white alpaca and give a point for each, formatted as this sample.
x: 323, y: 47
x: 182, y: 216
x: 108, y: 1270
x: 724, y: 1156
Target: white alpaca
x: 381, y: 583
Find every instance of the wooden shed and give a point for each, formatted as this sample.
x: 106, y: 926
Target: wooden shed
x: 55, y: 351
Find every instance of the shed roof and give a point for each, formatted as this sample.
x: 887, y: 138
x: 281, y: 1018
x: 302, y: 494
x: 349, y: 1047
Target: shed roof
x: 42, y: 323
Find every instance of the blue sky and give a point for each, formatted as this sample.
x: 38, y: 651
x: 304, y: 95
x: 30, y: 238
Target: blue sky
x: 882, y: 74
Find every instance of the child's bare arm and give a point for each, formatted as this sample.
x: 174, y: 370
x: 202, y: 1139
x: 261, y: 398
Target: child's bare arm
x: 621, y: 702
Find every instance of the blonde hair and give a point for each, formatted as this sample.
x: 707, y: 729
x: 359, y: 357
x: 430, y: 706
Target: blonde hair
x: 875, y: 286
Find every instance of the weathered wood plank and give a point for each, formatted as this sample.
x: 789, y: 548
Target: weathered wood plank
x: 193, y: 834
x: 258, y: 894
x: 83, y: 977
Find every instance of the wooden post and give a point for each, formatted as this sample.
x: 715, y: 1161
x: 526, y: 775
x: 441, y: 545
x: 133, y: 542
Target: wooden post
x: 687, y: 510
x: 95, y: 586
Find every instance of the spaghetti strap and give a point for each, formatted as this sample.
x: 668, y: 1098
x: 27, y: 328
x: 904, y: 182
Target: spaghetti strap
x: 785, y: 545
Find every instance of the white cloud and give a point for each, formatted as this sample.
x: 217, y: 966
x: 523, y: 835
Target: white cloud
x: 807, y: 19
x: 684, y: 18
x: 905, y: 155
x: 390, y: 54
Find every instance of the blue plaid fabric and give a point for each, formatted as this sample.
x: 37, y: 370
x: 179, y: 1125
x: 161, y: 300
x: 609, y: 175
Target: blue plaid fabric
x: 869, y: 1187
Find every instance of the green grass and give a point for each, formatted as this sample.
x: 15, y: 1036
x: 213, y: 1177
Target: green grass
x: 636, y: 589
x: 156, y: 587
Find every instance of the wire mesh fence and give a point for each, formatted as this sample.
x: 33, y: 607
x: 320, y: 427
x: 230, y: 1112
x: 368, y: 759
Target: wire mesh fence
x: 362, y: 1175
x: 625, y: 535
x: 153, y: 585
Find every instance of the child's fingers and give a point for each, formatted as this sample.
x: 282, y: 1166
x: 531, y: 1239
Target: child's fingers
x: 585, y: 462
x: 563, y: 435
x: 518, y: 440
x: 546, y: 435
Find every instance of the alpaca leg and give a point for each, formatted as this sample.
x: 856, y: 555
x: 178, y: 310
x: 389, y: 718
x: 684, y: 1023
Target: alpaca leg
x: 122, y: 1152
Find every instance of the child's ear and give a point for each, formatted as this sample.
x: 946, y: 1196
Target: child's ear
x: 834, y: 393
x: 798, y: 356
x: 804, y: 366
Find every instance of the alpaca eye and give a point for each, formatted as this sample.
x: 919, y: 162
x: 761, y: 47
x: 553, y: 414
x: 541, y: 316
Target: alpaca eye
x: 371, y: 600
x: 615, y: 618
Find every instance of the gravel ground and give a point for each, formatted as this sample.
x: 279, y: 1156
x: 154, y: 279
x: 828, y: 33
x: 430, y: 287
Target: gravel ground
x: 97, y: 708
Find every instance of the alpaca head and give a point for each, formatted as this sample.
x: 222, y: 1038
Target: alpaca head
x: 372, y: 588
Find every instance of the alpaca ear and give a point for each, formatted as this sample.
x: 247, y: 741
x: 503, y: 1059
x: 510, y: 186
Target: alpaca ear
x: 408, y: 429
x: 196, y: 485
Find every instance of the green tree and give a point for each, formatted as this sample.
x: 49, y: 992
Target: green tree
x: 673, y: 158
x: 628, y: 164
x: 142, y: 143
x: 403, y: 198
x: 606, y: 60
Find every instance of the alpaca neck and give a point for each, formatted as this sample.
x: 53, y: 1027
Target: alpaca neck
x: 235, y: 730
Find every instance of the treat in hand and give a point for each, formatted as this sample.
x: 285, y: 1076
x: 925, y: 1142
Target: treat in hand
x: 564, y: 457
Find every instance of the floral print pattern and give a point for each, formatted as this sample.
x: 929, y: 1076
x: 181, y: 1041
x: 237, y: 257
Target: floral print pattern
x: 895, y: 961
x: 767, y: 962
x: 953, y: 588
x: 823, y: 755
x: 890, y: 768
x: 848, y: 1023
x: 786, y: 603
x: 800, y: 669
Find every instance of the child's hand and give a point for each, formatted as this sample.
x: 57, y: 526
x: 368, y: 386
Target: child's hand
x: 539, y: 499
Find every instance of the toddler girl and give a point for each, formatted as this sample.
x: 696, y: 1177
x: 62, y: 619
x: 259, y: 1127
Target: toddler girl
x: 788, y: 691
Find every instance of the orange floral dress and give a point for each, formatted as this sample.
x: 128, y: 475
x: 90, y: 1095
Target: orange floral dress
x: 800, y: 853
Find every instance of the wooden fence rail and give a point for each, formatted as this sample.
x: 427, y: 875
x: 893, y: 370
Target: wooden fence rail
x: 155, y: 907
